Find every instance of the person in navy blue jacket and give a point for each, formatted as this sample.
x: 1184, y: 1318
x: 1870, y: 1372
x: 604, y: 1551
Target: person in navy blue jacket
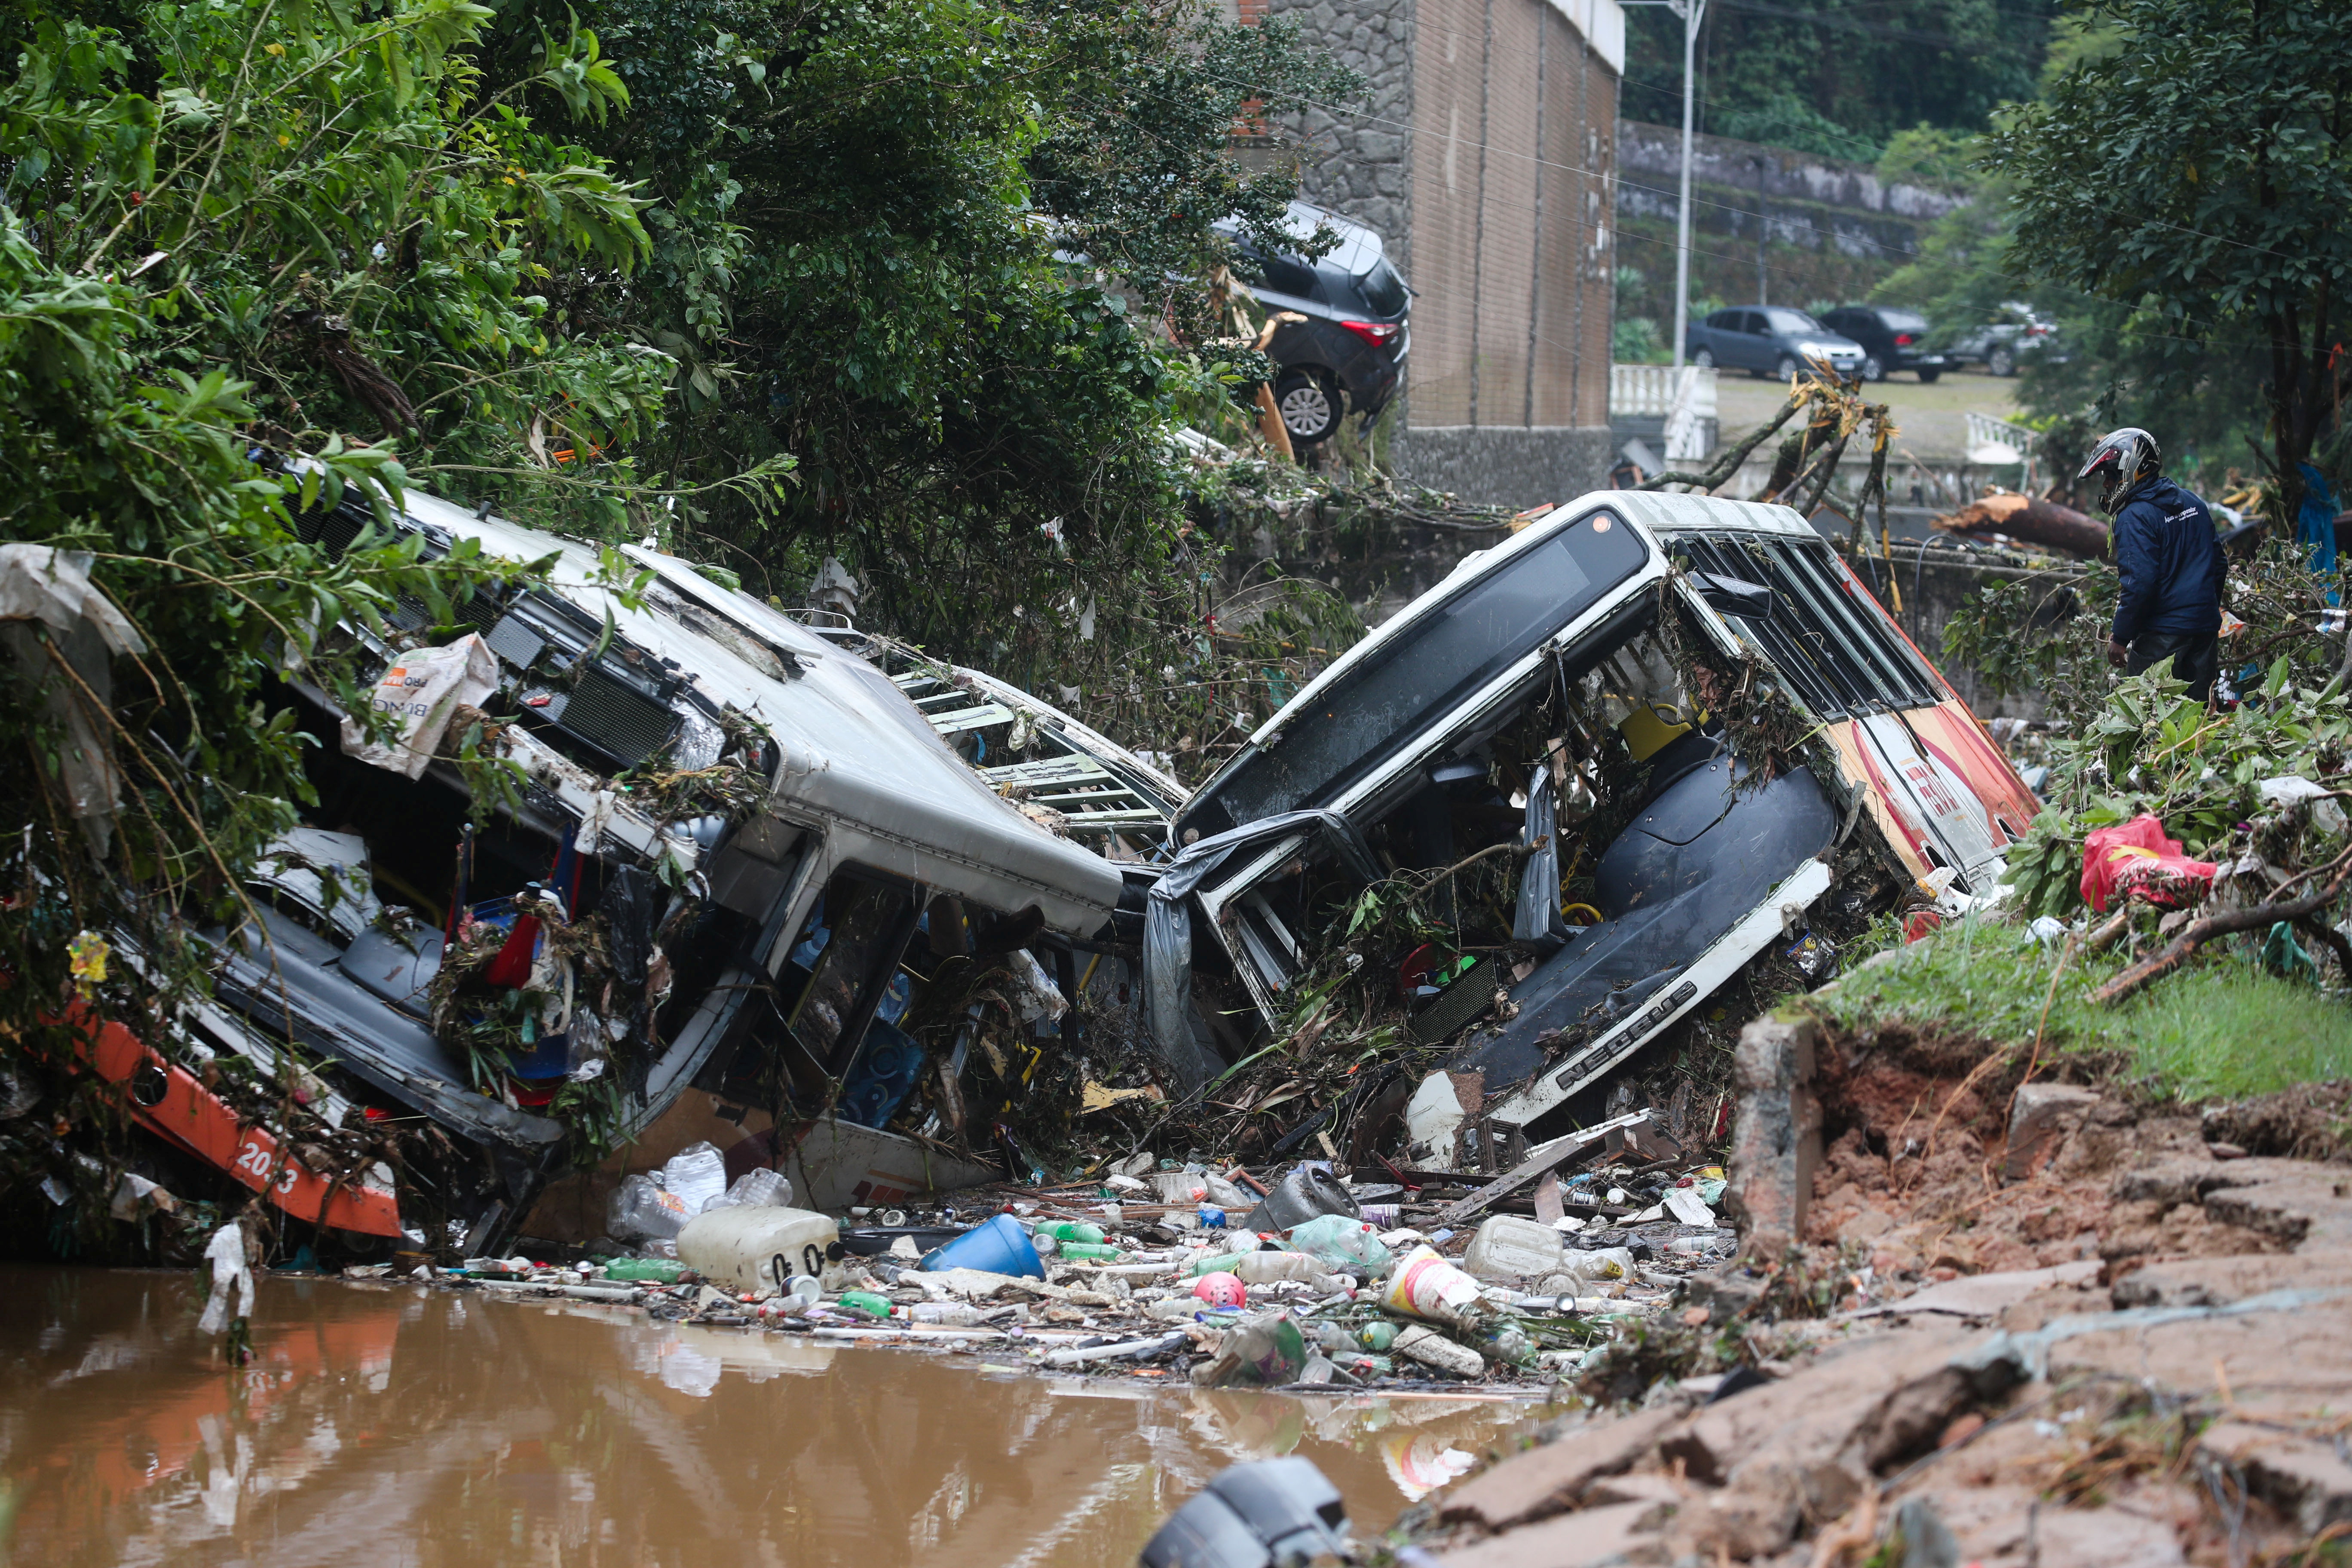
x: 2169, y: 559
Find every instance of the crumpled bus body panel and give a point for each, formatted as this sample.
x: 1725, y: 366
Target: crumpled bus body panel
x: 1400, y: 737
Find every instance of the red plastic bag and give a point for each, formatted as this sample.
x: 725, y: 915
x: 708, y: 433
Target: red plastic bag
x: 2135, y: 859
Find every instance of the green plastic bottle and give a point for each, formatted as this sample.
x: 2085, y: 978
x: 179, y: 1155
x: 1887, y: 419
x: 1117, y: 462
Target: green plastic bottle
x: 645, y: 1270
x: 1090, y: 1251
x: 1221, y: 1263
x: 1069, y: 1230
x: 865, y: 1303
x: 1377, y: 1336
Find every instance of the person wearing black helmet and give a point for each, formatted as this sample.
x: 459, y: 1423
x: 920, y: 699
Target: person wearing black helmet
x: 2169, y: 559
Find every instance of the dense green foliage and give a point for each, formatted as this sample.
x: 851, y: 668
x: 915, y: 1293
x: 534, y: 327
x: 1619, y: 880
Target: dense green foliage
x: 2198, y: 177
x: 1840, y: 79
x: 771, y: 281
x: 929, y: 249
x: 289, y: 225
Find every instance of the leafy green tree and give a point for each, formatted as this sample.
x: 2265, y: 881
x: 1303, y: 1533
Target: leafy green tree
x: 236, y: 229
x: 935, y: 250
x: 2200, y: 176
x: 1841, y: 79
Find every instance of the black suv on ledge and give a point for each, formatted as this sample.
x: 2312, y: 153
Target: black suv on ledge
x: 1347, y: 357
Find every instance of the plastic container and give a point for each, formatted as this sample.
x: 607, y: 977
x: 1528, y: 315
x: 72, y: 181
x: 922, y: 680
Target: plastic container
x: 645, y: 1270
x: 1426, y: 1286
x: 1601, y: 1263
x: 950, y: 1314
x: 1263, y: 1351
x: 1506, y: 1341
x: 1304, y: 1192
x: 1506, y: 1248
x: 639, y: 1210
x: 1090, y: 1252
x: 1177, y: 1186
x: 1212, y: 1218
x: 1379, y: 1336
x: 1265, y: 1267
x: 1344, y: 1244
x: 1000, y: 1247
x: 1223, y: 1194
x: 1430, y: 1348
x: 1068, y: 1230
x: 865, y: 1303
x: 757, y: 1248
x: 697, y: 1176
x: 761, y: 1189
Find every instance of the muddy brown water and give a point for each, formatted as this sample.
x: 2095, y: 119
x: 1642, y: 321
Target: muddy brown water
x: 388, y: 1425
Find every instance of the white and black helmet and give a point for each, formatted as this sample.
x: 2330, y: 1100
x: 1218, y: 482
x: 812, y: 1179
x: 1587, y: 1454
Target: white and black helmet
x: 2124, y: 460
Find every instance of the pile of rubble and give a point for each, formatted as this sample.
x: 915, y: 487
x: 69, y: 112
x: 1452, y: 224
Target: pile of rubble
x: 2159, y: 1378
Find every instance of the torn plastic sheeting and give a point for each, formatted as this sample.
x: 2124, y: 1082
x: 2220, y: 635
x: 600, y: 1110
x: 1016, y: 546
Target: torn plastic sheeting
x: 38, y: 583
x: 1168, y: 927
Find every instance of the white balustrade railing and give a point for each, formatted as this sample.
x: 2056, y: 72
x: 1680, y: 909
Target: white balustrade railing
x: 1684, y: 397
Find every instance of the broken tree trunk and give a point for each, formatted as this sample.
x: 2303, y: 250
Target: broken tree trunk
x: 2034, y: 520
x: 2201, y: 932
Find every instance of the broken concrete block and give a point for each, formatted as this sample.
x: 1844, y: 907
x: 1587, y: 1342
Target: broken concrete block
x: 1776, y: 1139
x: 2291, y: 1201
x: 1541, y: 1481
x: 1585, y: 1540
x: 2041, y: 1118
x: 2304, y: 1477
x: 2210, y: 1282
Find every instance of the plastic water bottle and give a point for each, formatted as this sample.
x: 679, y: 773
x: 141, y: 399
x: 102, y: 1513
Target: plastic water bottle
x: 1068, y: 1230
x: 953, y: 1314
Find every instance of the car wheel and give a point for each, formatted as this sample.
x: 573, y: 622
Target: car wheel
x: 1928, y: 377
x: 1703, y: 359
x: 1871, y: 369
x: 2001, y: 361
x: 1788, y: 367
x: 1310, y: 406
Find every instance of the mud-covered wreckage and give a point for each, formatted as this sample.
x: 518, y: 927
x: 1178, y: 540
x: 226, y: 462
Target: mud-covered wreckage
x: 723, y: 860
x: 1586, y: 680
x: 709, y: 838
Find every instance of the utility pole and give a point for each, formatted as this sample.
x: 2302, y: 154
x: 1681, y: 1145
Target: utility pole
x: 1693, y: 13
x: 1763, y: 230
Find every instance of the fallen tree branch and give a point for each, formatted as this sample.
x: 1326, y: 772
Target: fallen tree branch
x: 2203, y: 931
x: 1728, y: 464
x: 2032, y: 521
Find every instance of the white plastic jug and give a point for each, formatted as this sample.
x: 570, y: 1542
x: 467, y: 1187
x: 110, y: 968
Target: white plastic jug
x: 756, y: 1248
x: 1506, y: 1248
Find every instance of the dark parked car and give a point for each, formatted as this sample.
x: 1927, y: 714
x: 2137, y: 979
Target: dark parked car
x: 1768, y: 340
x: 1890, y: 339
x: 1347, y: 357
x: 2002, y: 344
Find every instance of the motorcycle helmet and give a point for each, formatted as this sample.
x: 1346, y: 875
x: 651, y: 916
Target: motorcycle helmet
x: 2123, y: 459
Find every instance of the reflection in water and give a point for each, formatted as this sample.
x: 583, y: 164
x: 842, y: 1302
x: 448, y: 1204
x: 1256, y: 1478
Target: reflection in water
x: 392, y: 1425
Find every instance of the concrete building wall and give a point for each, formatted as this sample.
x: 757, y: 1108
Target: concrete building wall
x: 1484, y: 156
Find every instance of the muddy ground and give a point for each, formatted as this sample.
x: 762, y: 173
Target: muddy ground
x: 2031, y: 1321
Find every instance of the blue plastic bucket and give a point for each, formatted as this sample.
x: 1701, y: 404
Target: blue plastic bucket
x: 1000, y: 1247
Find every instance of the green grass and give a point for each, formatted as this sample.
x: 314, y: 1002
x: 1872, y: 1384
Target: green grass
x: 2221, y: 1028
